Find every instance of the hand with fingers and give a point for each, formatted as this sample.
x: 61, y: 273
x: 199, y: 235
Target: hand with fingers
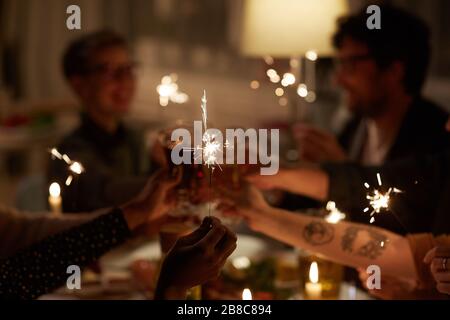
x: 392, y: 288
x: 153, y: 202
x: 248, y: 203
x: 439, y: 260
x: 195, y: 259
x: 316, y: 145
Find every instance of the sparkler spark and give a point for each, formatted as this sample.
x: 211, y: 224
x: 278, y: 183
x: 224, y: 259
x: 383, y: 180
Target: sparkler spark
x: 378, y: 200
x: 204, y: 110
x: 335, y: 215
x: 73, y: 166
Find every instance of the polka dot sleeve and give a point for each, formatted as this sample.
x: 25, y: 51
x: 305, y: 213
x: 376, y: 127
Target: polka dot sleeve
x: 42, y: 267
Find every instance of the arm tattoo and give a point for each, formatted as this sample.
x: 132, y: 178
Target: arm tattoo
x: 318, y: 233
x: 372, y: 249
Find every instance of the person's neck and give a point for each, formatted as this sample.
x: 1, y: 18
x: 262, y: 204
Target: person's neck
x: 106, y: 122
x: 394, y: 112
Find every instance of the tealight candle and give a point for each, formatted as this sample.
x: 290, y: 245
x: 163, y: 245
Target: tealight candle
x: 54, y: 198
x: 313, y: 289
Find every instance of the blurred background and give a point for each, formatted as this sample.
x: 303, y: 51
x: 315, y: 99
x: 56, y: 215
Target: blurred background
x: 195, y: 44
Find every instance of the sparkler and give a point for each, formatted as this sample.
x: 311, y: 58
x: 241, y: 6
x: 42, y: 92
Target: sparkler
x: 211, y: 148
x: 378, y: 200
x: 74, y: 167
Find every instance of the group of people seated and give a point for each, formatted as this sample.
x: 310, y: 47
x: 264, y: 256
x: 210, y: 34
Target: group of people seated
x: 395, y: 131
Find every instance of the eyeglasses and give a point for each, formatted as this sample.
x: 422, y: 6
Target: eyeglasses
x: 348, y: 63
x: 113, y: 73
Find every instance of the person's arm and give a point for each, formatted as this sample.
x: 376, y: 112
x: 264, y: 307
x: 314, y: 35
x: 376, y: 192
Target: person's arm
x: 308, y: 180
x: 43, y: 267
x: 422, y: 179
x: 351, y: 244
x: 21, y: 229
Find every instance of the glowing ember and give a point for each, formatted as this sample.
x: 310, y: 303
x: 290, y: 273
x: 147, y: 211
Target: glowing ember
x: 334, y: 215
x: 76, y: 167
x: 73, y: 166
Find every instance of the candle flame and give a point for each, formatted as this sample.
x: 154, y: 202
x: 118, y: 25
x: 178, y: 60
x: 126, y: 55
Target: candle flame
x: 246, y: 294
x: 314, y: 272
x: 54, y: 190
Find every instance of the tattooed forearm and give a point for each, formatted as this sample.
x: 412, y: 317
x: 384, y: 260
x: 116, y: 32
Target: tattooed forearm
x: 349, y: 238
x: 318, y: 233
x: 371, y: 248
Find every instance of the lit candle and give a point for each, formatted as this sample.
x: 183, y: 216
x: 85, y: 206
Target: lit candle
x: 246, y: 294
x: 313, y: 289
x: 54, y: 198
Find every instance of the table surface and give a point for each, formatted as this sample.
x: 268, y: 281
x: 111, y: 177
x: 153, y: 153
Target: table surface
x: 115, y: 265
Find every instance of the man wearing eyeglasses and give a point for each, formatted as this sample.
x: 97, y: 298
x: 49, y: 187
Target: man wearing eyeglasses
x: 382, y: 73
x: 99, y: 70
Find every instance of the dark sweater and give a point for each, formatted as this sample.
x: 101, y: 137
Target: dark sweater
x: 116, y: 167
x: 422, y: 132
x: 42, y: 267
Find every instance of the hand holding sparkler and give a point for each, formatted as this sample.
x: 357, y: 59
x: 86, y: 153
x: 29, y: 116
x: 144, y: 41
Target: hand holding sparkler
x: 195, y: 259
x: 154, y: 201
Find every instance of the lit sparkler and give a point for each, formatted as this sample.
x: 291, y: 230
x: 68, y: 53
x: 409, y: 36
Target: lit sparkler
x: 378, y: 200
x: 74, y: 167
x: 211, y: 149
